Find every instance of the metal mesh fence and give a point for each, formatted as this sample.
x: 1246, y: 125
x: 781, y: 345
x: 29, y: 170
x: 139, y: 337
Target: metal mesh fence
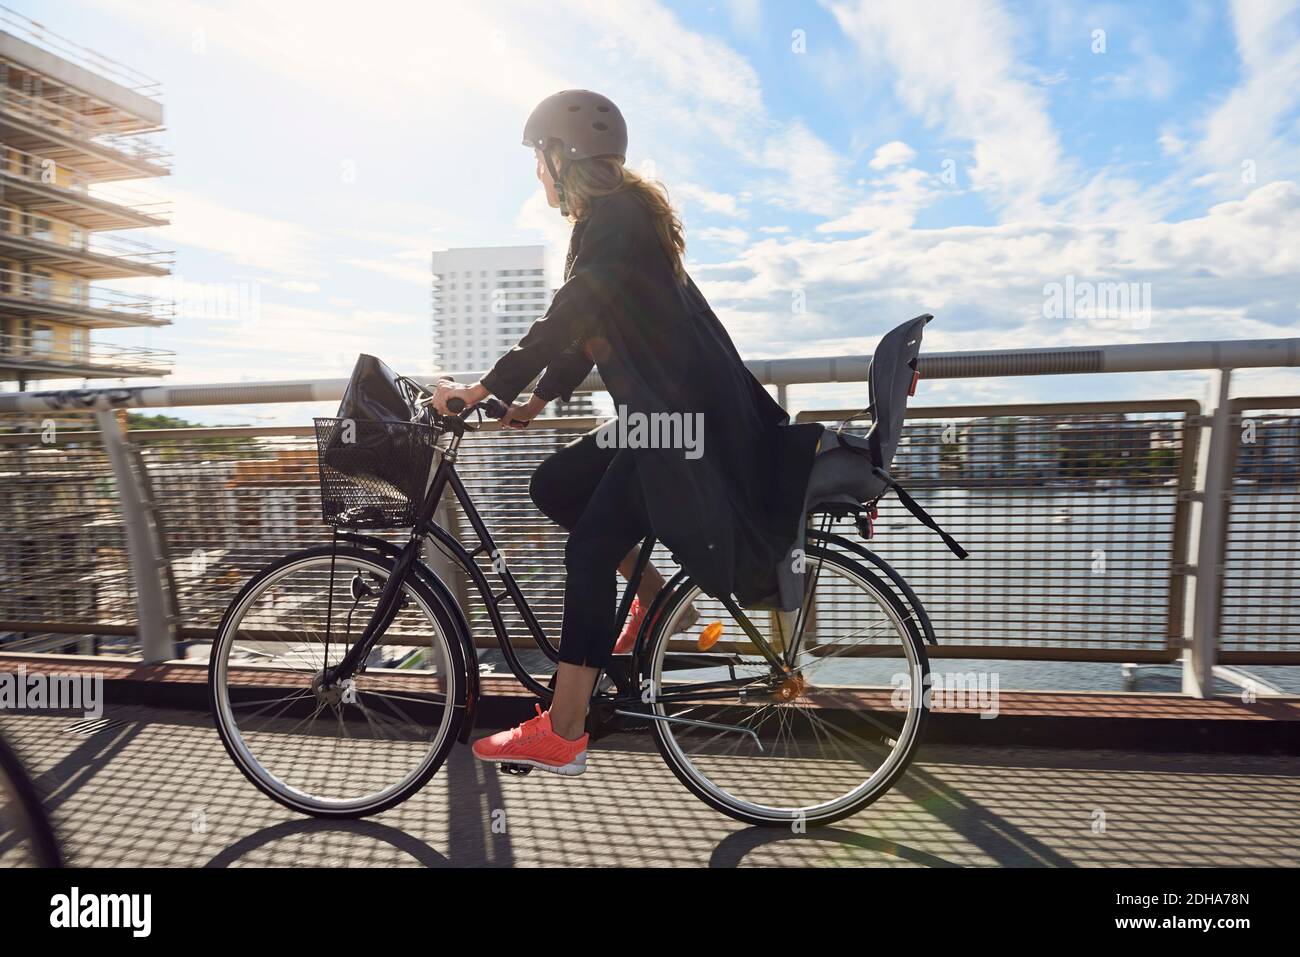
x: 1070, y: 514
x: 1259, y: 609
x: 496, y: 468
x: 1075, y: 516
x: 63, y: 559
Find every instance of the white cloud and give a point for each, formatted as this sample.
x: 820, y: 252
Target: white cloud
x: 395, y: 270
x: 893, y: 203
x: 956, y: 67
x: 1150, y: 76
x: 1227, y: 274
x: 733, y: 236
x: 246, y: 238
x: 813, y: 171
x: 1256, y: 123
x: 1171, y: 143
x: 710, y: 95
x: 896, y: 153
x: 443, y: 56
x: 710, y: 200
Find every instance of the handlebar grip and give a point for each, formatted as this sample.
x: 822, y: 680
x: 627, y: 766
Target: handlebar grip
x: 492, y: 407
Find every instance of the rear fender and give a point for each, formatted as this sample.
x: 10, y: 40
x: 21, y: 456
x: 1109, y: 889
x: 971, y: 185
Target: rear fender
x: 899, y: 582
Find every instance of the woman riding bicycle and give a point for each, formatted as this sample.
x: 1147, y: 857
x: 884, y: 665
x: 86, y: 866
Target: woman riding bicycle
x: 727, y: 498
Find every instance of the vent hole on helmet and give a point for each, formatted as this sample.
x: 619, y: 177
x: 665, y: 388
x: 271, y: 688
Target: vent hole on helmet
x: 602, y: 109
x: 574, y: 109
x: 601, y: 126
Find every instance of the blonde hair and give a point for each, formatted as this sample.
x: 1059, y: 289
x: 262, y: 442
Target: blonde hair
x: 583, y: 180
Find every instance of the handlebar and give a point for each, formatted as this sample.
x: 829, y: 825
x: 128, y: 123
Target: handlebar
x: 492, y: 407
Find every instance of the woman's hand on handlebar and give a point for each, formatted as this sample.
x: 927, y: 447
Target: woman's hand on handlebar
x: 521, y: 413
x: 446, y: 389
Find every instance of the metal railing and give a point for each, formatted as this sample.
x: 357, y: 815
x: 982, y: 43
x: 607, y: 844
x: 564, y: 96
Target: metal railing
x: 102, y: 357
x: 1075, y: 516
x: 1090, y: 525
x: 90, y: 129
x: 1260, y: 611
x: 56, y: 234
x: 80, y: 297
x: 34, y: 32
x: 76, y: 184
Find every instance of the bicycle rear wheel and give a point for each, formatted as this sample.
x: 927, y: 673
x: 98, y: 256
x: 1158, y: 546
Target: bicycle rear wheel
x: 812, y: 741
x: 26, y: 837
x: 357, y: 747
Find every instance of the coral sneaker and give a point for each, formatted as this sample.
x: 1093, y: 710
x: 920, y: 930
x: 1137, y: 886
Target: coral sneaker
x: 534, y: 745
x: 637, y: 613
x: 627, y: 637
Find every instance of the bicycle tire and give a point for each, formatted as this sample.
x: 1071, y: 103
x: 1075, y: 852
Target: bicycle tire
x: 40, y: 836
x: 446, y: 620
x: 684, y: 773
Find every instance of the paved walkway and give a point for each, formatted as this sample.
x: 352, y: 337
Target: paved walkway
x: 158, y: 789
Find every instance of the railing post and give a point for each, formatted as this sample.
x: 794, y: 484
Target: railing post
x: 1208, y: 531
x: 444, y: 567
x: 157, y: 638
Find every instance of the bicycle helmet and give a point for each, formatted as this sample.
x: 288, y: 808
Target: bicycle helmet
x: 584, y: 125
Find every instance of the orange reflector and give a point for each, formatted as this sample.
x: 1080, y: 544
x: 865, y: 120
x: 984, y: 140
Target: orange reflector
x: 709, y: 636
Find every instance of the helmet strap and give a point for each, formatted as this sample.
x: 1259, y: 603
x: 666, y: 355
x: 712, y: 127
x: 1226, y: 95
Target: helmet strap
x: 555, y: 178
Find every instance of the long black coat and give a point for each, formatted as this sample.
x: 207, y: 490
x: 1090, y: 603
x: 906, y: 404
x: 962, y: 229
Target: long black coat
x: 730, y: 516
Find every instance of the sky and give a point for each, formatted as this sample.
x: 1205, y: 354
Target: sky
x: 840, y: 166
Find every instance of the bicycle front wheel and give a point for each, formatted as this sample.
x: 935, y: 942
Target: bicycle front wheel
x: 810, y: 739
x: 340, y: 749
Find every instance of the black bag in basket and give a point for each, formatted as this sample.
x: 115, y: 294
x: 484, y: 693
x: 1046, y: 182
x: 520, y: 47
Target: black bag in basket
x: 374, y: 441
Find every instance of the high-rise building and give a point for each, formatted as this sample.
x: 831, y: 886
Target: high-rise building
x: 74, y: 125
x: 484, y: 300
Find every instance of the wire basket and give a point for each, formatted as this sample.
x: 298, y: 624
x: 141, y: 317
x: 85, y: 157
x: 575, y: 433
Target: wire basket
x: 373, y: 474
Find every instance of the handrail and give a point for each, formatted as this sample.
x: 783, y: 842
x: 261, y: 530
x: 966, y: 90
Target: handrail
x: 55, y: 116
x: 40, y: 170
x: 109, y: 356
x: 1142, y: 357
x: 1189, y: 470
x: 78, y: 54
x: 81, y: 295
x: 93, y: 242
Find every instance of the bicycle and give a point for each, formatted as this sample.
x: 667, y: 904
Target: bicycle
x: 762, y: 725
x: 26, y: 835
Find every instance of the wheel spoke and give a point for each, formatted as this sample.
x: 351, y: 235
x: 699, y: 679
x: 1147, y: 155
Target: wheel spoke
x: 339, y: 747
x: 826, y: 749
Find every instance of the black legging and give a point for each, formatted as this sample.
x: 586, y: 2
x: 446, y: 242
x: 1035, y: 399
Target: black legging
x: 596, y: 495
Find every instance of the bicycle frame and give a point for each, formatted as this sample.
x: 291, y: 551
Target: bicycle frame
x: 425, y: 529
x: 407, y: 557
